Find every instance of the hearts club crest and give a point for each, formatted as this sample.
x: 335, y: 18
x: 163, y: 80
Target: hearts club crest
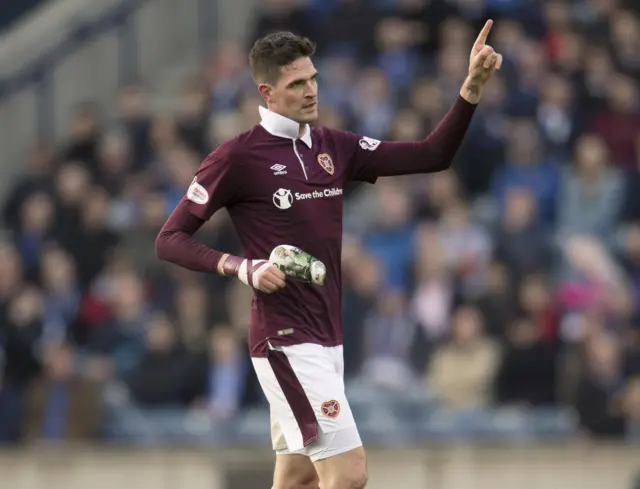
x: 326, y: 163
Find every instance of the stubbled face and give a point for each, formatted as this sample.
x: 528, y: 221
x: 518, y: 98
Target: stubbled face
x: 295, y: 94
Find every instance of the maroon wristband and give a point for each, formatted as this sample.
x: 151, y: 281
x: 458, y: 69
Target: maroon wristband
x: 231, y: 265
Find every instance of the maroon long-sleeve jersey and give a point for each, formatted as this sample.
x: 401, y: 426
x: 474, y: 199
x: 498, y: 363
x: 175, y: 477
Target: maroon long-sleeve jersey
x: 280, y: 188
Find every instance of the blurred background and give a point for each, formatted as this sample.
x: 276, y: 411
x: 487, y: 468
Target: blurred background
x: 491, y: 312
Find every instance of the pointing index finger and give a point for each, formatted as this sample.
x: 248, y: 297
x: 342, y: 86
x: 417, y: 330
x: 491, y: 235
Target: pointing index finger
x: 484, y: 34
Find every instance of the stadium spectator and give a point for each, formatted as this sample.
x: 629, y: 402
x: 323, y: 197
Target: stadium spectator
x: 389, y: 331
x: 523, y: 241
x: 392, y: 240
x: 225, y: 373
x: 631, y: 408
x: 462, y: 372
x: 62, y: 405
x: 134, y: 117
x: 537, y: 303
x: 161, y: 377
x: 498, y: 302
x: 590, y: 193
x: 37, y: 176
x: 618, y: 123
x: 467, y: 248
x: 37, y: 228
x: 600, y: 388
x: 91, y: 240
x: 526, y: 166
x: 434, y: 287
x: 21, y: 331
x: 61, y: 296
x: 527, y: 371
x: 193, y: 117
x: 83, y: 137
x: 118, y: 342
x: 363, y: 275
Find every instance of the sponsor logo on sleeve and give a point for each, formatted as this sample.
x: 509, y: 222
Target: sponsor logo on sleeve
x: 369, y: 144
x: 197, y: 193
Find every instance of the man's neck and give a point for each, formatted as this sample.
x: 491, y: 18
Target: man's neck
x: 302, y: 125
x: 283, y: 126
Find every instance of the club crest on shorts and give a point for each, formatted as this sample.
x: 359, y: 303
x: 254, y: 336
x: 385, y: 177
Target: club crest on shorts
x: 326, y: 163
x: 331, y: 409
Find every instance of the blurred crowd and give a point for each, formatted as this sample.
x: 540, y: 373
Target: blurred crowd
x: 12, y: 11
x: 513, y: 279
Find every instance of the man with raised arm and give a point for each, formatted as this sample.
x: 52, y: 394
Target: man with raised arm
x: 282, y: 184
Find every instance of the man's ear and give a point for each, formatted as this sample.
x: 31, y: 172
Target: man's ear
x: 265, y: 91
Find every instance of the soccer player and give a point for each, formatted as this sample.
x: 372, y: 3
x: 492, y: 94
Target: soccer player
x: 282, y: 183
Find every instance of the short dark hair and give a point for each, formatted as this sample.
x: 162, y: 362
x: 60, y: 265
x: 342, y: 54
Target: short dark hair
x: 276, y: 50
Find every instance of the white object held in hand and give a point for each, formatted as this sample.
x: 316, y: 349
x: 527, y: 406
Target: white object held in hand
x: 298, y: 265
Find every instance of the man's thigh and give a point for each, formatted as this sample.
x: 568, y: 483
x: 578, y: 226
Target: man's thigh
x: 306, y: 396
x: 325, y: 464
x: 334, y: 461
x: 338, y: 462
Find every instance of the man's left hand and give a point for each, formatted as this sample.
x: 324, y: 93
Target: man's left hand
x: 483, y: 63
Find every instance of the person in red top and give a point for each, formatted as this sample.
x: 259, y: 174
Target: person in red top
x: 282, y: 183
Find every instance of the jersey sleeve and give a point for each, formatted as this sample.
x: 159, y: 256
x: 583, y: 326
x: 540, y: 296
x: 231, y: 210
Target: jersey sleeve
x: 370, y: 158
x: 360, y: 152
x: 215, y: 185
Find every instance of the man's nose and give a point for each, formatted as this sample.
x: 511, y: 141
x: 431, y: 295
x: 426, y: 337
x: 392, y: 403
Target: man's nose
x: 312, y: 90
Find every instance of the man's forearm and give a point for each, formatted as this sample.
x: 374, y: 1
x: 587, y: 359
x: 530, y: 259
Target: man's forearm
x: 176, y: 244
x: 435, y: 153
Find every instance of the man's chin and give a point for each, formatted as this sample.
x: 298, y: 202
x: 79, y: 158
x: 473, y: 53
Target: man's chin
x: 308, y: 117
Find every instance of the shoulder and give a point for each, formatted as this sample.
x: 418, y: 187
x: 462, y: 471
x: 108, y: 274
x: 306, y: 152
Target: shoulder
x: 231, y: 153
x: 323, y: 132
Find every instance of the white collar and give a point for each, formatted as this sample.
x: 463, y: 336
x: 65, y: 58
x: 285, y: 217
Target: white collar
x: 283, y: 127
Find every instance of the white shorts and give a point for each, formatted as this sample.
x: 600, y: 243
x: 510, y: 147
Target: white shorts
x: 310, y: 415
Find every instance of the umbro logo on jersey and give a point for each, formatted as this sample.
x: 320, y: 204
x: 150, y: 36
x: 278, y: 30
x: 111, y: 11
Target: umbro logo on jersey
x: 278, y: 169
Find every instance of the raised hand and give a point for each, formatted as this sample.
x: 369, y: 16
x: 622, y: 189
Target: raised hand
x: 483, y: 63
